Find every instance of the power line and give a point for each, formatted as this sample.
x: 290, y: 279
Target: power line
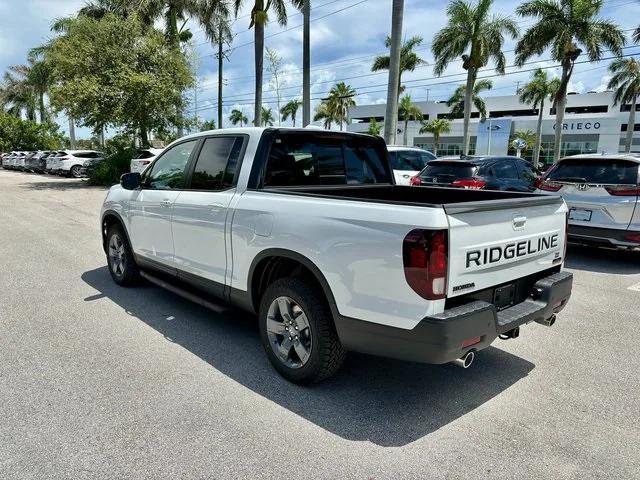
x: 360, y: 93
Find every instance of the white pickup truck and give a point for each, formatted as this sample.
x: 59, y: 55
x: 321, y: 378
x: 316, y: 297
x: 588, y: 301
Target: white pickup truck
x: 306, y: 229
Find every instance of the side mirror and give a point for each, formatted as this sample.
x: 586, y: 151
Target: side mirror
x: 131, y: 181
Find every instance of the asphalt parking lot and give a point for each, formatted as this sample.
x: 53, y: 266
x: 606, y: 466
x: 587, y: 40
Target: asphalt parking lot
x: 97, y: 381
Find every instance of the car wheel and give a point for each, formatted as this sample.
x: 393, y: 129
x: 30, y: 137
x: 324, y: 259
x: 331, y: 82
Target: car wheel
x: 298, y: 333
x: 76, y: 171
x: 122, y: 265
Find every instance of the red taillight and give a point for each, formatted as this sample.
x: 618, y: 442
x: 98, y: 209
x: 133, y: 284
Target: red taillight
x: 470, y: 183
x: 635, y: 237
x: 424, y: 253
x: 547, y: 186
x: 415, y: 181
x: 624, y: 190
x: 145, y: 162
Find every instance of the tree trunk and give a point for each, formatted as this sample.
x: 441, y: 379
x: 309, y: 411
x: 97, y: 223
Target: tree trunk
x: 471, y: 80
x: 72, y: 133
x: 631, y: 126
x: 536, y: 148
x: 220, y: 65
x: 436, y: 142
x: 293, y: 119
x: 391, y: 116
x: 144, y: 136
x: 306, y: 65
x: 43, y: 112
x: 405, y: 135
x: 560, y: 104
x: 259, y: 61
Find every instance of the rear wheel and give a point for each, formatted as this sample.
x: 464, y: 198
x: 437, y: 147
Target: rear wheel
x: 76, y: 171
x: 298, y: 333
x: 122, y: 265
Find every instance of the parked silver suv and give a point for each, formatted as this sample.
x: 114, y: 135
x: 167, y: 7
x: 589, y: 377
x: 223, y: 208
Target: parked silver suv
x: 602, y: 193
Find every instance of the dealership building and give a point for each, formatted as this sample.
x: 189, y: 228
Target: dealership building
x: 592, y: 124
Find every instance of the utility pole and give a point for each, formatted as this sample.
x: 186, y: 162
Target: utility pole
x: 391, y: 116
x: 306, y: 64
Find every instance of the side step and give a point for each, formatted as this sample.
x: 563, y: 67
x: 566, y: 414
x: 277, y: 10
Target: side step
x: 184, y: 293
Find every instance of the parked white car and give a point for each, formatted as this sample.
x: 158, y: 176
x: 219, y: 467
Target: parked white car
x: 144, y: 158
x: 71, y: 162
x: 306, y: 229
x: 407, y: 162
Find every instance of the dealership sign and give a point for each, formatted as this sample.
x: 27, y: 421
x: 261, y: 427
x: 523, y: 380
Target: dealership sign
x: 580, y: 126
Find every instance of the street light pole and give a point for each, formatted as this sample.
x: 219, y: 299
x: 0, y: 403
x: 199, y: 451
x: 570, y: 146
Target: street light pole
x: 306, y: 64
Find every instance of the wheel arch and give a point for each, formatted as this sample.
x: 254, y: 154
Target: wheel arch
x: 110, y: 218
x: 275, y: 263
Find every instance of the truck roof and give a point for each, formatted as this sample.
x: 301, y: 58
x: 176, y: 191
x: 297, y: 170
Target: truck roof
x: 257, y: 131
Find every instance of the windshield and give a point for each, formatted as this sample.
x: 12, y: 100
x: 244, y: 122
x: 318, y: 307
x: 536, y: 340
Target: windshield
x: 595, y: 171
x: 449, y: 171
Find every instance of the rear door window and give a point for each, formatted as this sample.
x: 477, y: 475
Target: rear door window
x: 595, y: 171
x: 505, y: 169
x: 299, y: 160
x: 217, y: 163
x: 409, y: 160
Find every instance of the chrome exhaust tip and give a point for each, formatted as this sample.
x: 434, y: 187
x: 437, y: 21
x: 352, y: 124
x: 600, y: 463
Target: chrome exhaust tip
x: 466, y: 360
x: 548, y: 322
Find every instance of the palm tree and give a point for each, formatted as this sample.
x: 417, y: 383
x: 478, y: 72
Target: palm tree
x: 266, y: 117
x: 340, y: 101
x: 457, y: 100
x: 325, y: 113
x: 259, y: 18
x: 16, y: 94
x: 237, y: 117
x: 409, y: 60
x: 290, y: 110
x: 476, y: 36
x: 539, y: 89
x: 393, y: 89
x: 407, y: 110
x: 626, y: 84
x: 437, y: 127
x: 215, y: 20
x: 374, y: 127
x: 566, y: 27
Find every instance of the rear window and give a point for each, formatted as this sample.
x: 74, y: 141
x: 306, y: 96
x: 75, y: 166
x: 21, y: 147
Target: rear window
x: 595, y: 171
x: 410, y: 159
x: 449, y: 171
x: 299, y: 159
x: 143, y: 154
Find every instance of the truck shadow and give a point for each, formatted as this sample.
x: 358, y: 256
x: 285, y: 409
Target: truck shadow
x: 386, y: 402
x: 602, y: 260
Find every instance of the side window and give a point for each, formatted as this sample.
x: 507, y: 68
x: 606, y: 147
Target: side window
x: 527, y: 173
x: 168, y: 171
x: 296, y: 160
x: 505, y: 169
x: 217, y: 163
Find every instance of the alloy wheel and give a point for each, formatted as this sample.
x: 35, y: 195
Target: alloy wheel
x: 289, y: 332
x: 117, y: 255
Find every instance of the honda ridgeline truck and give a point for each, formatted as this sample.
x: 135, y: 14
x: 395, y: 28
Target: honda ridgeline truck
x: 306, y: 229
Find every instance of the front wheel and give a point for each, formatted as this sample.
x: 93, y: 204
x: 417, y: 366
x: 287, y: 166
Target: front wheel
x: 298, y: 333
x: 122, y: 265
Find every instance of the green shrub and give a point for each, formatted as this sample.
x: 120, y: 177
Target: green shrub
x: 108, y: 171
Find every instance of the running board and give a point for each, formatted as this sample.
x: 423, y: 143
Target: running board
x: 184, y: 293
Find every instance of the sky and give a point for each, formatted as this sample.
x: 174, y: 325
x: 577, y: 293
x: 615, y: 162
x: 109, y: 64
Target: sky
x: 346, y: 35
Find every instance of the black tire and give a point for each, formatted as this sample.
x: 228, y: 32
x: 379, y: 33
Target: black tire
x: 121, y: 263
x: 74, y: 171
x: 326, y: 351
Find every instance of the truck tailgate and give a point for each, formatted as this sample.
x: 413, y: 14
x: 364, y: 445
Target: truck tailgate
x: 494, y: 242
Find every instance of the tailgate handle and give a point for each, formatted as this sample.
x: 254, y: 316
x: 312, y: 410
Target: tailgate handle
x: 519, y: 223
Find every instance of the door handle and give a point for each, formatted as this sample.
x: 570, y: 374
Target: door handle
x: 216, y: 207
x: 165, y: 203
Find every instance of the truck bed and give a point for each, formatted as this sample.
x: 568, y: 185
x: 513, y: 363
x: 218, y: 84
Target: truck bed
x: 453, y: 200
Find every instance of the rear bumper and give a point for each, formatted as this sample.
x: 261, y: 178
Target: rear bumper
x: 603, y: 237
x: 439, y: 339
